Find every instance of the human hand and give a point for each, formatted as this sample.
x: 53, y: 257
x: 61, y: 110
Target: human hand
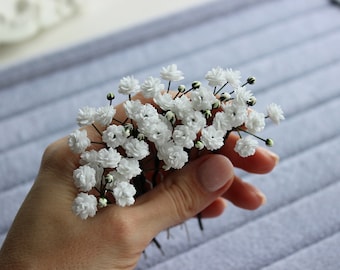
x: 46, y: 234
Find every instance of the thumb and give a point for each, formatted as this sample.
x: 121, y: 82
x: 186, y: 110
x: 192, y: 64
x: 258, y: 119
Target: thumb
x: 186, y: 192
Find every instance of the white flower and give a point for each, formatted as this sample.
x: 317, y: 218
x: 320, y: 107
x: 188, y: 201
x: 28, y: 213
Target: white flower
x: 157, y: 132
x: 128, y: 85
x: 216, y: 77
x: 114, y: 136
x: 275, y: 113
x: 88, y: 157
x: 86, y: 116
x: 124, y: 193
x: 78, y: 141
x: 164, y: 100
x: 146, y: 113
x: 194, y: 120
x: 220, y: 122
x: 233, y: 77
x: 202, y: 99
x: 85, y: 205
x: 132, y: 107
x: 129, y: 167
x: 235, y: 113
x: 246, y: 146
x: 171, y: 73
x: 136, y: 149
x: 212, y: 139
x: 151, y: 87
x: 173, y: 155
x: 105, y: 114
x: 255, y: 122
x: 84, y: 178
x: 242, y: 95
x: 108, y: 158
x: 182, y: 106
x: 184, y: 136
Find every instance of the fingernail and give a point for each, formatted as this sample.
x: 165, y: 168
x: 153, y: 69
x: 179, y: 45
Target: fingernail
x: 215, y: 172
x: 262, y: 197
x: 274, y: 156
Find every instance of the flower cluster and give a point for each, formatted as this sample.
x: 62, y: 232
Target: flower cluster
x: 162, y: 126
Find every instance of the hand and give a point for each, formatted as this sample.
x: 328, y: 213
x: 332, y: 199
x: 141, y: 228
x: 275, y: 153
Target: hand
x: 47, y: 235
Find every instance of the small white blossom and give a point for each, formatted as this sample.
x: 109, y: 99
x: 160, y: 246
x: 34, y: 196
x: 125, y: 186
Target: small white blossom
x: 86, y: 116
x: 85, y: 205
x: 235, y: 114
x: 164, y: 100
x: 88, y: 157
x: 84, y: 178
x: 242, y: 95
x: 124, y: 193
x: 182, y: 106
x: 194, y: 120
x: 233, y: 77
x: 212, y: 139
x: 216, y: 77
x: 255, y: 122
x: 246, y: 146
x: 173, y: 155
x: 146, y: 113
x: 202, y: 99
x: 78, y: 141
x: 129, y: 167
x: 109, y: 158
x: 157, y: 132
x: 136, y: 149
x: 105, y: 114
x: 184, y: 136
x: 128, y: 85
x: 220, y: 122
x: 114, y: 136
x: 275, y: 113
x: 151, y: 87
x: 171, y: 73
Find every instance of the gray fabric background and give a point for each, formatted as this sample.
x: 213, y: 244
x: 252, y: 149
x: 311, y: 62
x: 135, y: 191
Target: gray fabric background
x: 292, y: 47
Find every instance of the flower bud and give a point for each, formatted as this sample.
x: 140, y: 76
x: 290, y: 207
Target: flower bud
x: 102, y: 202
x: 196, y: 84
x: 199, y: 145
x: 251, y: 80
x: 207, y: 113
x: 171, y: 117
x: 128, y: 128
x: 216, y: 105
x: 109, y: 178
x: 141, y: 136
x: 269, y: 142
x: 251, y: 101
x: 181, y: 88
x: 110, y: 96
x: 225, y: 97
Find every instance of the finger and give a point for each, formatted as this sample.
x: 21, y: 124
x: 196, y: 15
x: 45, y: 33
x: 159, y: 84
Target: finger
x: 263, y: 161
x: 215, y: 209
x: 244, y: 195
x: 186, y: 192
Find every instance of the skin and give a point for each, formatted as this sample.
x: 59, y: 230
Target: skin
x: 47, y: 235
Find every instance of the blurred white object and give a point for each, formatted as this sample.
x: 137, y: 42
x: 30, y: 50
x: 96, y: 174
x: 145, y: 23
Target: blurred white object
x: 21, y: 19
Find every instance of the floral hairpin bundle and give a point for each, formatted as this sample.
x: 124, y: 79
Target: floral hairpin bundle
x: 161, y: 134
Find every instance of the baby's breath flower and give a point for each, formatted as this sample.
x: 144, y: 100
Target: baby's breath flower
x: 202, y: 99
x: 211, y: 138
x: 86, y: 116
x: 246, y: 146
x: 184, y: 136
x: 151, y: 87
x: 88, y: 157
x: 104, y: 115
x: 173, y: 155
x: 171, y: 73
x: 235, y: 114
x: 220, y: 122
x: 275, y: 113
x: 157, y: 132
x: 233, y: 77
x: 136, y: 148
x: 109, y: 158
x: 114, y: 136
x: 164, y: 100
x: 129, y: 167
x: 78, y: 141
x: 216, y: 77
x: 182, y: 106
x: 85, y: 205
x: 84, y: 178
x: 255, y: 122
x: 124, y: 193
x: 128, y: 85
x: 194, y: 120
x: 242, y: 95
